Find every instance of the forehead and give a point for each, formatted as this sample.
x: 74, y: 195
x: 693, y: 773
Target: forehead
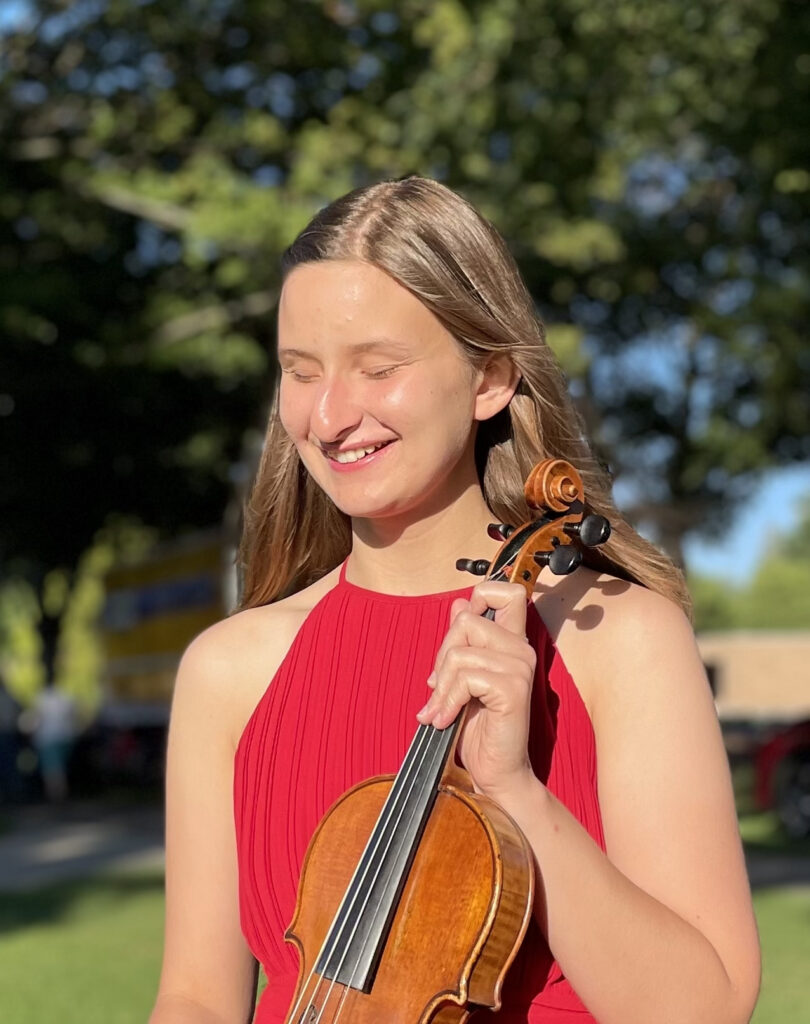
x: 335, y: 300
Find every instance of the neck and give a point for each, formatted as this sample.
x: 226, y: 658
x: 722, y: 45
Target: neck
x: 418, y: 555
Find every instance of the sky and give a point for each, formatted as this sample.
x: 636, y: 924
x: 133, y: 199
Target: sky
x: 774, y: 508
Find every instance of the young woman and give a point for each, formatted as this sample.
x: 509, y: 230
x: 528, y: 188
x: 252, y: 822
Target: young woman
x: 416, y: 393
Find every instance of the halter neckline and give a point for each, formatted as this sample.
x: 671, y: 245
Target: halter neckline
x: 377, y: 595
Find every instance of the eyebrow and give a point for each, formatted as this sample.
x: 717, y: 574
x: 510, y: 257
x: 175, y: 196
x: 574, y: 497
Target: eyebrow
x: 360, y: 349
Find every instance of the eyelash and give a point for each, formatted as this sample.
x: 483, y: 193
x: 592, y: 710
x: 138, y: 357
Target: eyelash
x: 386, y: 371
x: 303, y: 378
x: 300, y: 377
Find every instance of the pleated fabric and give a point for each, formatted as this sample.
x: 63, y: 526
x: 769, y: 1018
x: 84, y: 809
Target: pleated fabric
x: 341, y: 708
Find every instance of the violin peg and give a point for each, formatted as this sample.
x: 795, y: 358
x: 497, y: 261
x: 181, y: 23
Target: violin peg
x: 594, y: 530
x: 499, y: 531
x: 591, y: 531
x: 564, y: 559
x: 478, y: 567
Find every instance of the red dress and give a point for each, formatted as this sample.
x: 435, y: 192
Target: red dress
x: 341, y: 708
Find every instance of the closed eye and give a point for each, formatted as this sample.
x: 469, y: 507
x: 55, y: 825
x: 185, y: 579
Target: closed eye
x: 303, y: 378
x: 383, y: 371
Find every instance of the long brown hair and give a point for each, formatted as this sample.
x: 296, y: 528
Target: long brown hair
x: 440, y: 248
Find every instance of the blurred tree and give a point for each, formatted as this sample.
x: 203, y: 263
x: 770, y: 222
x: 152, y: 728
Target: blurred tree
x: 645, y: 162
x: 778, y: 595
x: 715, y: 604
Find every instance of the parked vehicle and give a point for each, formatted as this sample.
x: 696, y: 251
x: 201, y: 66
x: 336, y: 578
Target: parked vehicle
x: 782, y: 777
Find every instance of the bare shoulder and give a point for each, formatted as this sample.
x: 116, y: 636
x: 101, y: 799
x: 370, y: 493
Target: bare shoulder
x: 226, y: 668
x: 609, y: 632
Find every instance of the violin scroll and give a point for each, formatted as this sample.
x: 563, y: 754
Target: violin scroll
x: 553, y: 485
x: 554, y: 489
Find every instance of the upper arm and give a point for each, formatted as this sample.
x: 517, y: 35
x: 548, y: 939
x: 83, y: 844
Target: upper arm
x: 664, y: 786
x: 206, y: 958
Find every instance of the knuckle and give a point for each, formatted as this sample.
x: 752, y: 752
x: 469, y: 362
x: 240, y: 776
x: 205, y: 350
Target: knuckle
x: 453, y: 657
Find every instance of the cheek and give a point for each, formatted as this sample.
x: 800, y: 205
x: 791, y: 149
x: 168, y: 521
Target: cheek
x: 292, y: 413
x: 426, y: 394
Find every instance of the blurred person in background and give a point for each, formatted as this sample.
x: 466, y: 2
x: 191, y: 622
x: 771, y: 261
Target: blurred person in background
x: 54, y: 728
x: 417, y: 391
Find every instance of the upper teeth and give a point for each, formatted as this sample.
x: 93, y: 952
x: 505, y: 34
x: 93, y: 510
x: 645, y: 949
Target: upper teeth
x: 356, y: 454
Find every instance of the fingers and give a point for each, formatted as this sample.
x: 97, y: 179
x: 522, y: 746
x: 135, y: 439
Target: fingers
x: 508, y: 600
x: 500, y: 681
x: 481, y: 658
x: 506, y: 633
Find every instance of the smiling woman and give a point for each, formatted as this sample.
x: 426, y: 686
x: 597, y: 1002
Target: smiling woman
x: 416, y: 394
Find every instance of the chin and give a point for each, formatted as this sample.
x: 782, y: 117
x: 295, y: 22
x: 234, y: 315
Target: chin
x: 366, y: 509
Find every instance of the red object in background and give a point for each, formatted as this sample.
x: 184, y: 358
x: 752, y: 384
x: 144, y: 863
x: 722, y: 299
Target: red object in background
x: 782, y: 777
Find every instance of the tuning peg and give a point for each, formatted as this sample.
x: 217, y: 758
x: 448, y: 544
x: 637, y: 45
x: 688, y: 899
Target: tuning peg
x: 477, y: 568
x: 591, y: 531
x: 564, y: 559
x: 500, y: 531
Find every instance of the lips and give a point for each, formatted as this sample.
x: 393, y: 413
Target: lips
x: 352, y: 462
x: 352, y: 455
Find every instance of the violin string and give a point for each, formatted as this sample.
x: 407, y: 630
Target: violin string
x: 424, y: 742
x: 426, y: 732
x: 490, y: 614
x: 350, y: 986
x: 417, y: 761
x: 420, y: 755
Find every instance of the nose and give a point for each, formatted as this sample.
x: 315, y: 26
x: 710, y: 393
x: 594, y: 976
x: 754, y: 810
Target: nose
x: 336, y: 411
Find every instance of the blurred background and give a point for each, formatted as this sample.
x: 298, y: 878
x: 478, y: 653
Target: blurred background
x: 648, y: 165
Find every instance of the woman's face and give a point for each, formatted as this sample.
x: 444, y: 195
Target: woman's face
x: 375, y: 393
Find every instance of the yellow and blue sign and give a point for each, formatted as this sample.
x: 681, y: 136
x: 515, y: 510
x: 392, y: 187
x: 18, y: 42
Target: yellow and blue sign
x: 154, y: 609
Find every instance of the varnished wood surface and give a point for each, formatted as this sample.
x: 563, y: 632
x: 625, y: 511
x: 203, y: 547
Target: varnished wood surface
x: 462, y: 914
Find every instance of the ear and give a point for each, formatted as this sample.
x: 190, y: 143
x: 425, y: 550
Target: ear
x: 499, y: 381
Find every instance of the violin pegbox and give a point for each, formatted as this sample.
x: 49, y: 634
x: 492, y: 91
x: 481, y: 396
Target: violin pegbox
x: 554, y: 489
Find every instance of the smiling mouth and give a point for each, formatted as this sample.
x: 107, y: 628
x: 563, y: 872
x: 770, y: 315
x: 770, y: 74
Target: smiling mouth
x: 355, y: 454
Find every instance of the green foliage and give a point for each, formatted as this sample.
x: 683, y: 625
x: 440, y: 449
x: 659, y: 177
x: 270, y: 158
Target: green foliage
x: 646, y: 163
x: 79, y: 653
x: 778, y: 595
x: 716, y: 605
x: 20, y: 648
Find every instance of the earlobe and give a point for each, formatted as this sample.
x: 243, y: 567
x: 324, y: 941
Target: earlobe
x: 499, y: 382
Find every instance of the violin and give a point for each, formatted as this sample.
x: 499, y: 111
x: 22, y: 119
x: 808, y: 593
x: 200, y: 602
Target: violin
x: 416, y: 891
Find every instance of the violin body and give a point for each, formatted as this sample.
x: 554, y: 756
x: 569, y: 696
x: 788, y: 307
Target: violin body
x: 459, y: 922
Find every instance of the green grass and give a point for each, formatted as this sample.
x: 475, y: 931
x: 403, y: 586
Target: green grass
x: 784, y: 923
x: 89, y: 952
x: 82, y: 952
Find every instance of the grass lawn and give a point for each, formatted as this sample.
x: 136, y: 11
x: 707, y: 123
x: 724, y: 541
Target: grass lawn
x: 89, y: 952
x: 784, y: 924
x: 82, y: 952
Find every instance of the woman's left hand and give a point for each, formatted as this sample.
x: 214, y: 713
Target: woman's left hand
x: 490, y: 665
